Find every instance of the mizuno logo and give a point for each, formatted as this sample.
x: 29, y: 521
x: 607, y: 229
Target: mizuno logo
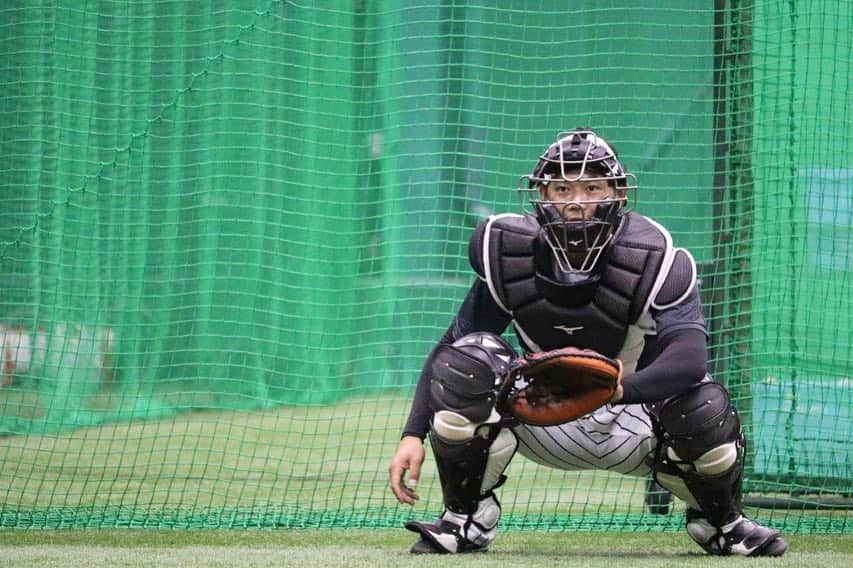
x: 569, y: 330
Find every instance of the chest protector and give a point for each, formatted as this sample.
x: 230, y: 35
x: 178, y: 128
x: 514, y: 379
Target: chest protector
x: 549, y: 314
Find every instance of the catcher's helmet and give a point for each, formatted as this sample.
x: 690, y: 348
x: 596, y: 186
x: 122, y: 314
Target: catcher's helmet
x: 579, y: 155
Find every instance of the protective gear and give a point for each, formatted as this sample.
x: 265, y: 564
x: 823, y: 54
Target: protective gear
x: 701, y: 461
x: 466, y: 374
x: 700, y: 458
x: 699, y: 420
x: 561, y: 385
x: 741, y: 536
x: 548, y: 314
x: 579, y: 154
x: 471, y: 448
x: 470, y: 459
x: 455, y: 533
x: 679, y: 282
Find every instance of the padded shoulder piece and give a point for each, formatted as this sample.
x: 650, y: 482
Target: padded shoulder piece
x: 498, y: 237
x: 482, y: 243
x: 679, y: 281
x: 638, y: 256
x: 475, y: 248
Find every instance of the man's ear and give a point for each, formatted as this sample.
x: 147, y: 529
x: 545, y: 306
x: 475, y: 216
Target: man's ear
x: 543, y: 188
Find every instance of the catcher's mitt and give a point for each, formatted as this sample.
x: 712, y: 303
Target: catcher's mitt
x: 561, y: 385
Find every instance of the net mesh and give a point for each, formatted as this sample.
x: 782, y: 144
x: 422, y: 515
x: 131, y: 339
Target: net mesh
x: 230, y: 235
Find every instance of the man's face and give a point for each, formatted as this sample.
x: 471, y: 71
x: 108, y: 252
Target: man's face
x: 581, y: 195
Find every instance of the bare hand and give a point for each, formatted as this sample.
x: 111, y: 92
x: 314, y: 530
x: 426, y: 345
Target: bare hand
x: 409, y: 457
x: 617, y: 396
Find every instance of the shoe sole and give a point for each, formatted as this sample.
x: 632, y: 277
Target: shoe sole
x: 773, y: 547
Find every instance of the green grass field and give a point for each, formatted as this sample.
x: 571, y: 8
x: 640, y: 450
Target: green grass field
x: 291, y: 467
x: 376, y: 548
x: 286, y: 466
x: 283, y: 472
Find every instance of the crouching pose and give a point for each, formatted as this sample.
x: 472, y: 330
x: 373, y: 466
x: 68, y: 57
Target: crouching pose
x: 580, y: 271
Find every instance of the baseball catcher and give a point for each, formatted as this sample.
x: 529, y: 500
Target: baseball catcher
x: 612, y: 373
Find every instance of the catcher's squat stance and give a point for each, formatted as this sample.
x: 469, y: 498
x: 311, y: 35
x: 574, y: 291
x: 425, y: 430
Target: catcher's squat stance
x: 631, y: 395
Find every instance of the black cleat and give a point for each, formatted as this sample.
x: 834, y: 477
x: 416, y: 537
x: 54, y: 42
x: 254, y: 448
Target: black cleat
x: 742, y: 537
x: 456, y: 533
x: 441, y: 537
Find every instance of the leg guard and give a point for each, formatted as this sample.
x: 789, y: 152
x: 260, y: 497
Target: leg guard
x: 700, y: 458
x: 471, y: 451
x: 471, y: 448
x: 470, y: 459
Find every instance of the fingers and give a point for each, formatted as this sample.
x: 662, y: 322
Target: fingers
x: 395, y: 475
x: 618, y: 394
x: 404, y: 493
x: 409, y: 457
x: 414, y: 473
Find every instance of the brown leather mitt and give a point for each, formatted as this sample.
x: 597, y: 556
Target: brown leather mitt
x: 562, y: 385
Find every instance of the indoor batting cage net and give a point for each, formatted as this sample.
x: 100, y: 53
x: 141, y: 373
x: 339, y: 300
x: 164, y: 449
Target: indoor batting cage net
x: 231, y: 232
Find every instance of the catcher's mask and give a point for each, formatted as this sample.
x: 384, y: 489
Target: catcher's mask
x: 577, y: 236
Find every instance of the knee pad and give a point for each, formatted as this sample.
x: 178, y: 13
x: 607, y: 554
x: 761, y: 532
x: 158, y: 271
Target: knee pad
x: 698, y: 421
x: 465, y: 375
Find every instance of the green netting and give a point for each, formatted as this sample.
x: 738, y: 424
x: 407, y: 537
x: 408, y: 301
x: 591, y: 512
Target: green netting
x: 230, y: 234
